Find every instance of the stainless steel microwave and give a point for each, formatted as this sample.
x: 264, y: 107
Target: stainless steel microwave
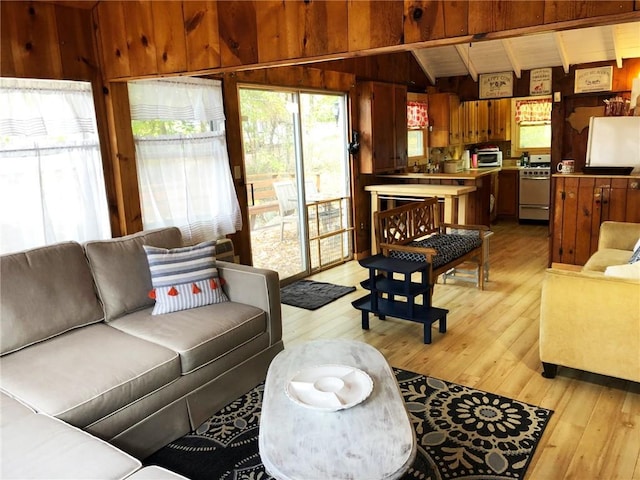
x: 489, y: 158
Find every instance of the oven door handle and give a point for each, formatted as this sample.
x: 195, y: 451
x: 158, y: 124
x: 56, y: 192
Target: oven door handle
x: 534, y: 178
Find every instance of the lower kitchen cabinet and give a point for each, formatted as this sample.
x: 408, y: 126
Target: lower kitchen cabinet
x: 580, y: 204
x: 507, y: 202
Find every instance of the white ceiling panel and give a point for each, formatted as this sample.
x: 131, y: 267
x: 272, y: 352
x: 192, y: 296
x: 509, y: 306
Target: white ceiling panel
x: 593, y: 44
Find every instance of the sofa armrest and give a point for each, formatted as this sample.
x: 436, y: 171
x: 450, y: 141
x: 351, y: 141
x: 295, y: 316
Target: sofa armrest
x: 591, y: 322
x: 255, y: 286
x: 618, y: 235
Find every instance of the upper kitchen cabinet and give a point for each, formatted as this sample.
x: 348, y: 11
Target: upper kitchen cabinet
x: 499, y: 120
x: 444, y: 120
x: 486, y: 121
x: 382, y: 126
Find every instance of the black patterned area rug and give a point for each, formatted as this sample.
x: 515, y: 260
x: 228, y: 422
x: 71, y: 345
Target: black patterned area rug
x: 312, y: 295
x: 462, y: 433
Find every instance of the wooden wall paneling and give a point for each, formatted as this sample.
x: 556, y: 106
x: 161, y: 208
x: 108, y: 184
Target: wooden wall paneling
x: 557, y: 219
x: 399, y: 68
x: 456, y: 18
x: 496, y: 15
x: 569, y: 220
x: 423, y: 20
x: 242, y: 239
x: 289, y: 30
x: 35, y: 45
x: 313, y: 76
x: 633, y: 201
x: 254, y: 76
x: 618, y: 200
x: 598, y: 188
x: 170, y: 38
x: 114, y: 47
x: 123, y: 158
x: 377, y: 23
x: 586, y: 217
x: 202, y: 34
x: 77, y: 45
x: 560, y: 10
x: 100, y: 98
x: 338, y: 81
x: 279, y: 33
x: 238, y: 32
x: 7, y: 63
x: 325, y: 27
x: 141, y: 37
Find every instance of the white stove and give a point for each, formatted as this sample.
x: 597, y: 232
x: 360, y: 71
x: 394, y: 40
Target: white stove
x: 535, y: 189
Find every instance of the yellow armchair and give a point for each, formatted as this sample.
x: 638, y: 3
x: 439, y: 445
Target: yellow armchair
x: 590, y: 321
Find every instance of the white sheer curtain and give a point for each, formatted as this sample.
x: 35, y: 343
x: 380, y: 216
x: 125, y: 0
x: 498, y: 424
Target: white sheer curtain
x: 51, y: 180
x: 184, y: 178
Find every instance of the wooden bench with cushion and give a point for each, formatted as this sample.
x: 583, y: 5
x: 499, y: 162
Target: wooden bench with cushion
x: 414, y: 232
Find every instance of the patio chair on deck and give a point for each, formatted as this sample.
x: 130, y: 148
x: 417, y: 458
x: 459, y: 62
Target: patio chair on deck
x: 287, y: 203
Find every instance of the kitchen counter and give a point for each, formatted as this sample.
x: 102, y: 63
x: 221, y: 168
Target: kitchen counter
x: 470, y: 174
x: 455, y: 200
x: 633, y: 176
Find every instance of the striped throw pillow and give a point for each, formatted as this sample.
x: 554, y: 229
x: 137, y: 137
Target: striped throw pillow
x: 184, y: 278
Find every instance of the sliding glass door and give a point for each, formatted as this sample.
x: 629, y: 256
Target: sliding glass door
x: 297, y: 180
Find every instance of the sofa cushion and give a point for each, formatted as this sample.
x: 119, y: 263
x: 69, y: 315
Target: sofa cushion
x: 12, y: 411
x: 45, y: 291
x: 184, y: 278
x: 199, y: 335
x: 121, y: 271
x: 448, y: 247
x: 628, y: 270
x: 39, y: 446
x: 88, y: 373
x: 601, y: 259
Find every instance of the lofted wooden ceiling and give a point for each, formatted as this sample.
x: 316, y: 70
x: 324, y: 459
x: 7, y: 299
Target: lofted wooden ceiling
x: 526, y: 52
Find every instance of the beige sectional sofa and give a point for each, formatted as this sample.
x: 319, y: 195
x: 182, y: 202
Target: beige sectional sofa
x: 590, y: 319
x: 36, y: 445
x: 78, y: 342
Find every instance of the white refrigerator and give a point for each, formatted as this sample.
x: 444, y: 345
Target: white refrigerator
x: 614, y: 142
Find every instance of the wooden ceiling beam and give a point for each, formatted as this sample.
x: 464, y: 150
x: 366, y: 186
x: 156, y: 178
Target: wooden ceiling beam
x: 515, y: 64
x: 463, y: 51
x: 616, y: 45
x: 426, y: 68
x: 562, y: 51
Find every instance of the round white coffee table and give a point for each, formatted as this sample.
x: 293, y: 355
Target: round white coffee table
x: 307, y: 433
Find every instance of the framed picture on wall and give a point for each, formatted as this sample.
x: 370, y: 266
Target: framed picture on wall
x: 496, y: 85
x: 540, y: 81
x: 597, y: 79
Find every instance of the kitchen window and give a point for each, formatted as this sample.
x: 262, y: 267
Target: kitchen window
x: 532, y: 125
x: 417, y: 124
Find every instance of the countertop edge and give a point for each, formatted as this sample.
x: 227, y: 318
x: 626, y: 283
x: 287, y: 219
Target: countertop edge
x: 471, y: 174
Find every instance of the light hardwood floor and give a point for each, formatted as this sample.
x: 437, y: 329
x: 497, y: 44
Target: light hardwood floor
x: 492, y: 344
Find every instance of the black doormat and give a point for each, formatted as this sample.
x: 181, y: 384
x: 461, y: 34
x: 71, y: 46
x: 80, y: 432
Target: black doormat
x: 462, y: 433
x: 312, y: 295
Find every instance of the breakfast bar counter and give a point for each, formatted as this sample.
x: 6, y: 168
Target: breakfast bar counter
x: 470, y: 174
x: 455, y: 199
